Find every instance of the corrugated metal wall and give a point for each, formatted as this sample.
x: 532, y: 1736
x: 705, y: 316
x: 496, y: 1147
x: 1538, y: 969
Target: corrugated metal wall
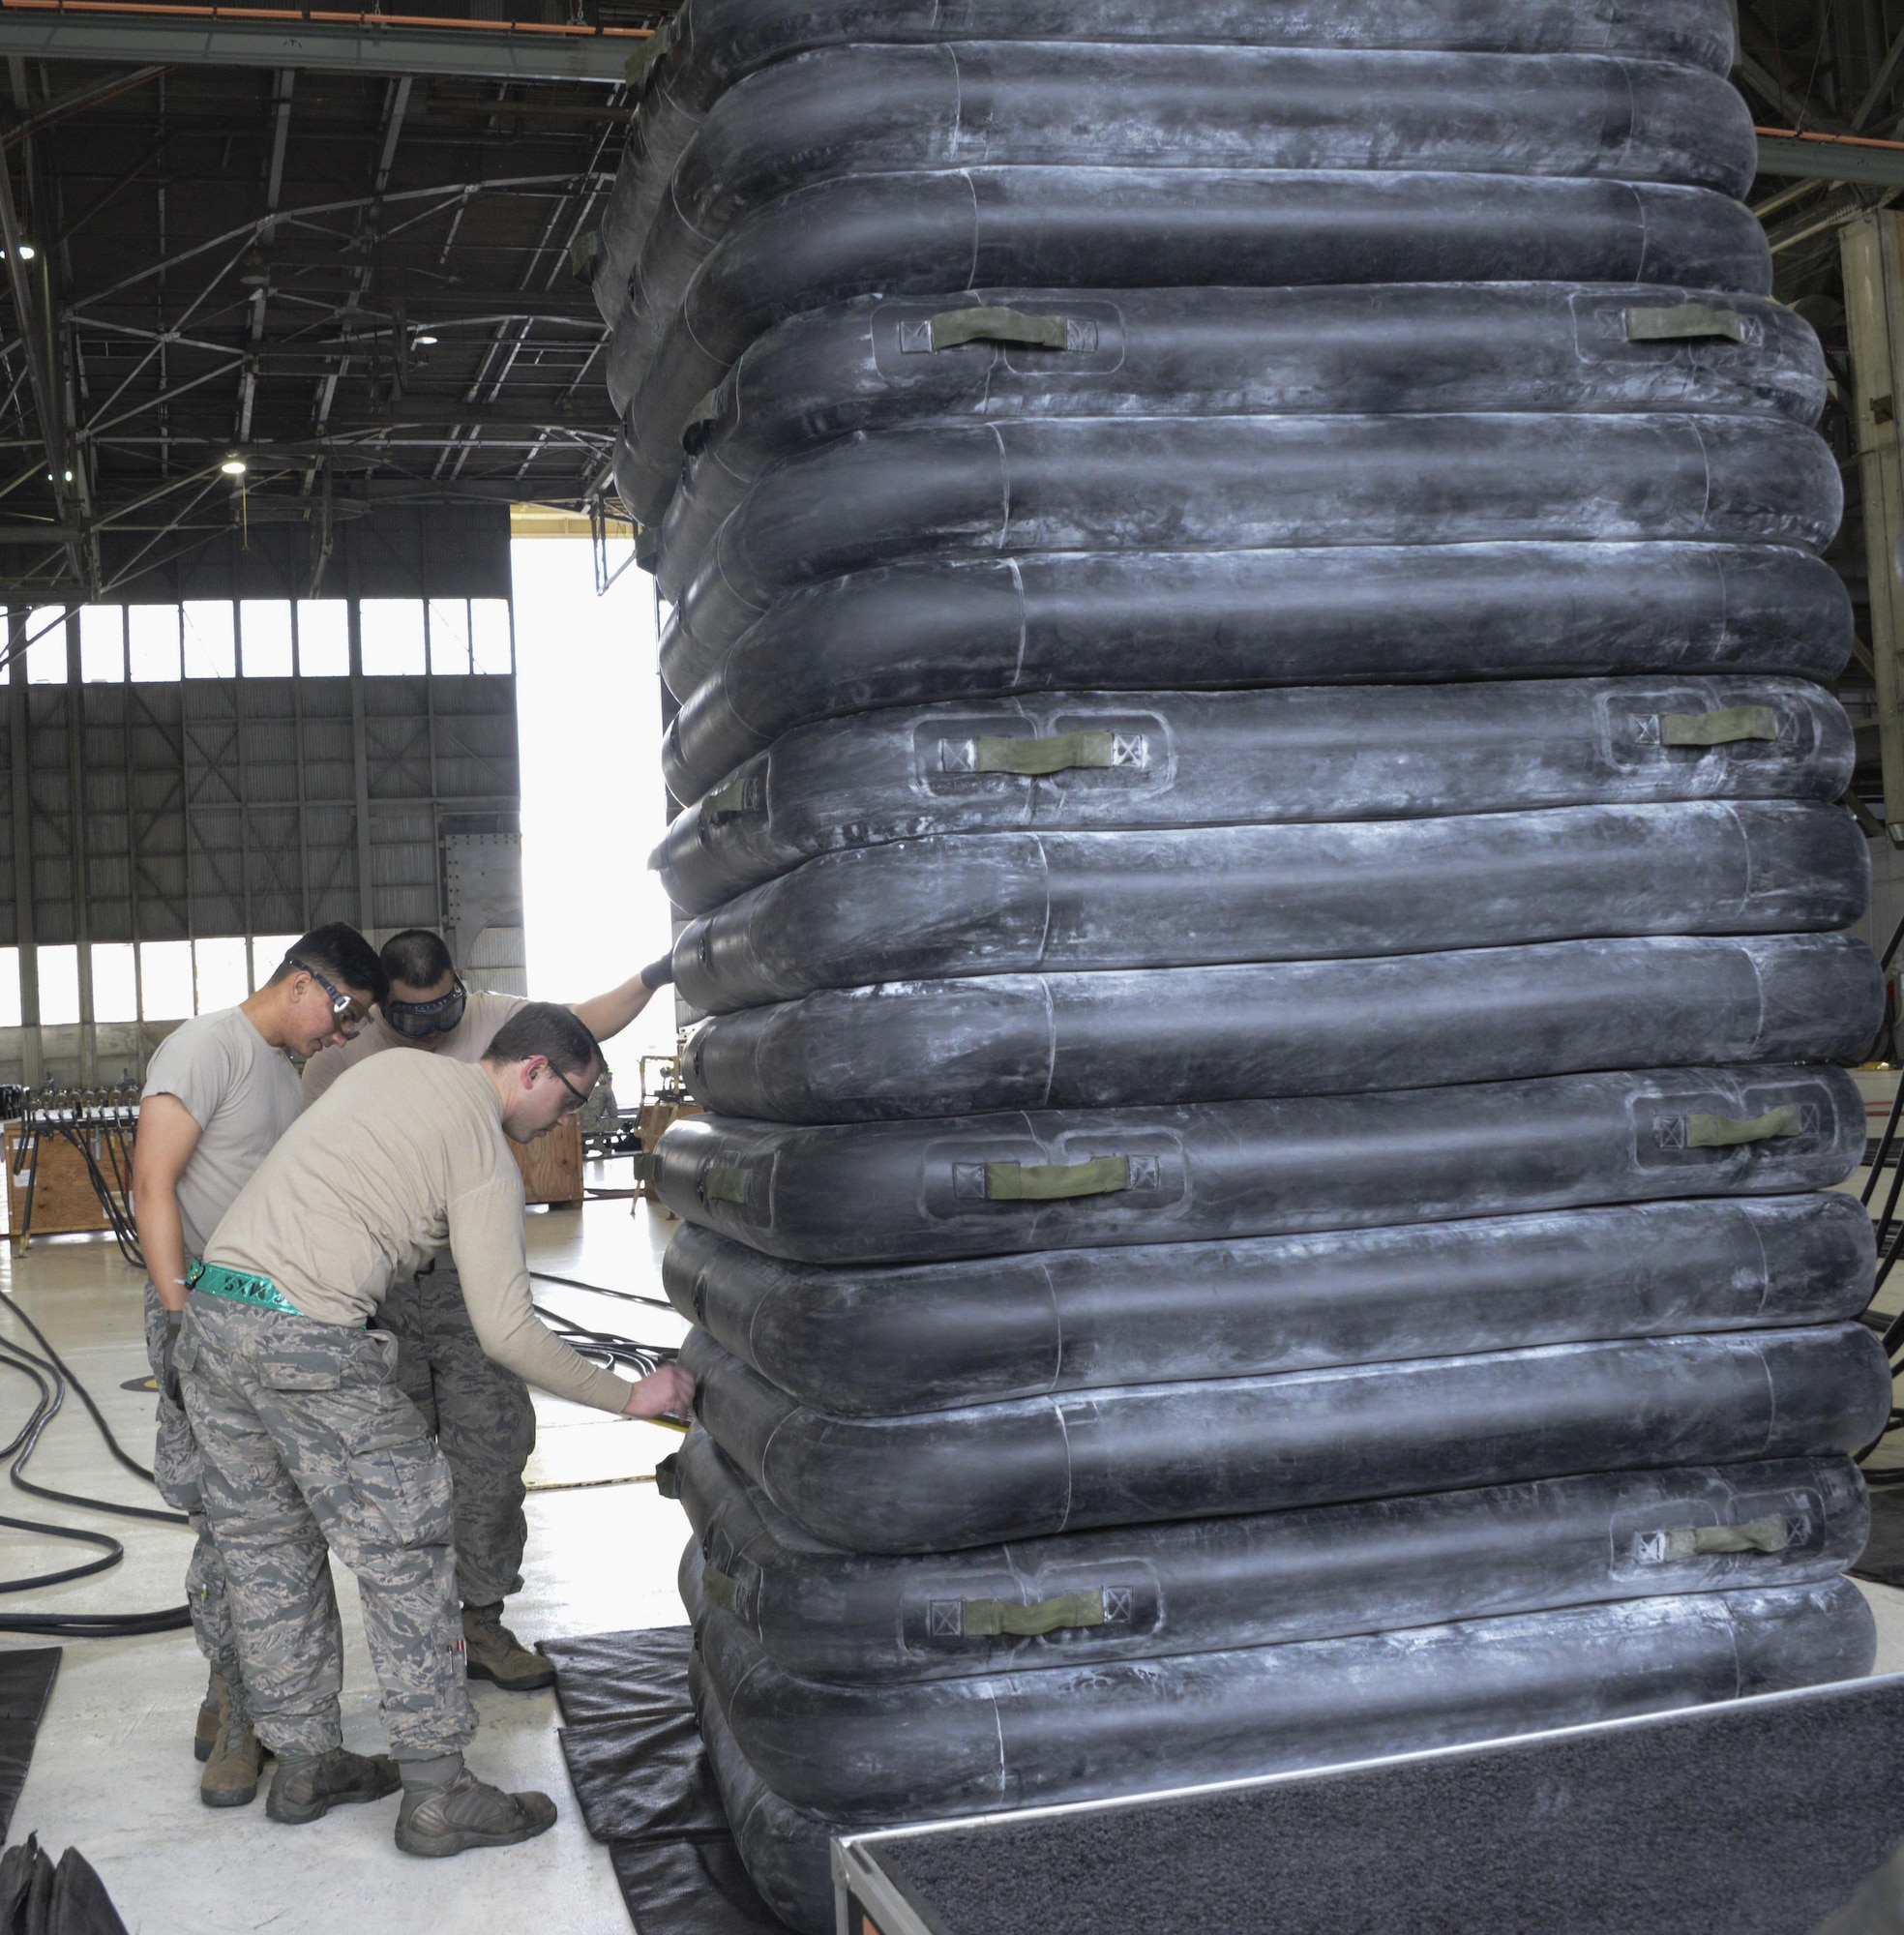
x: 152, y: 812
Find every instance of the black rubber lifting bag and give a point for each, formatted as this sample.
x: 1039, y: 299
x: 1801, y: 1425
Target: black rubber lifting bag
x: 1644, y: 1655
x: 1085, y: 227
x: 860, y: 1341
x: 859, y: 111
x: 1210, y: 1585
x: 1147, y: 483
x: 874, y: 365
x: 1648, y: 1655
x: 1210, y: 1034
x: 870, y: 1754
x: 1030, y: 625
x: 1157, y: 1453
x: 1078, y: 760
x: 988, y: 1186
x: 1023, y: 902
x: 706, y: 48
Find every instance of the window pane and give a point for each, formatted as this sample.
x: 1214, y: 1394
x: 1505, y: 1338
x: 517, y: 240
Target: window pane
x: 59, y: 985
x: 323, y: 637
x: 46, y: 651
x: 268, y: 951
x: 489, y: 635
x: 165, y: 967
x: 10, y: 1008
x: 222, y: 982
x: 449, y: 634
x: 152, y: 633
x: 265, y: 625
x: 392, y: 634
x: 114, y: 997
x: 211, y: 648
x: 102, y: 643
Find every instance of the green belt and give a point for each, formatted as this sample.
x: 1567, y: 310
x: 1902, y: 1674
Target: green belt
x: 215, y: 1280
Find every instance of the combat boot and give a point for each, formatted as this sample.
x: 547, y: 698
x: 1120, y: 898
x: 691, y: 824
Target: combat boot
x: 233, y: 1766
x: 212, y: 1710
x: 491, y: 1652
x: 304, y: 1790
x: 466, y: 1813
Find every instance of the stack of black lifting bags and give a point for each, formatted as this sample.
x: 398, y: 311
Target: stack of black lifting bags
x: 1258, y: 813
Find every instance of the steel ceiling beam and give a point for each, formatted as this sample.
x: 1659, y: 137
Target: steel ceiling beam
x: 38, y: 344
x: 474, y: 51
x: 1795, y: 158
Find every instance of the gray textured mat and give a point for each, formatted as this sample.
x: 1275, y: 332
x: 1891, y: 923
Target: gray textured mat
x: 1758, y: 1818
x: 642, y: 1779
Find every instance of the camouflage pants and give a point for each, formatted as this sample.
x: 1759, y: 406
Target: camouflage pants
x: 175, y: 1466
x: 308, y: 1448
x: 483, y: 1418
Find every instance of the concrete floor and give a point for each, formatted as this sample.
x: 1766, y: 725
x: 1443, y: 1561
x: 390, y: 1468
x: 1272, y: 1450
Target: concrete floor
x: 112, y: 1771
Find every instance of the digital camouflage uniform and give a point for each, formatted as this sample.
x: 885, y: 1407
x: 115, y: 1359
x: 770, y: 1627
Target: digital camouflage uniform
x: 176, y: 1469
x: 483, y: 1417
x: 481, y: 1412
x: 308, y: 1446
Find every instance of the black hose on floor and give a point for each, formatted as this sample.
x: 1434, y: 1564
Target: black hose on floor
x: 642, y: 1359
x: 50, y: 1377
x: 63, y: 1371
x: 602, y: 1290
x: 608, y: 1345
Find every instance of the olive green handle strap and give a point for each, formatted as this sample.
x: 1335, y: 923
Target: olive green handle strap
x: 1683, y: 323
x: 989, y: 1619
x: 727, y: 1185
x: 1711, y: 1131
x: 1718, y: 729
x: 955, y: 326
x: 1700, y: 1541
x: 1063, y: 752
x: 1056, y: 1181
x: 721, y: 1590
x: 733, y: 799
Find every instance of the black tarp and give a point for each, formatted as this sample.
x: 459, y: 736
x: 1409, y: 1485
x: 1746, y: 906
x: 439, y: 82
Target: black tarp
x: 26, y: 1682
x: 642, y: 1779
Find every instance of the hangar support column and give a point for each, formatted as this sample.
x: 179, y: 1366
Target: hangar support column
x: 1874, y: 308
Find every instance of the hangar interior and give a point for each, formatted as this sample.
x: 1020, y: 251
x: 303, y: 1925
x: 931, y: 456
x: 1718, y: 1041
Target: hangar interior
x: 1260, y: 1195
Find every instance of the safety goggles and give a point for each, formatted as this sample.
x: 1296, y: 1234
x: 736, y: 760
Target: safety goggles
x: 419, y: 1020
x: 577, y: 1100
x: 346, y: 1010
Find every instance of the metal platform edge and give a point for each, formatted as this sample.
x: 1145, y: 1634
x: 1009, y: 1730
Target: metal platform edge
x: 865, y: 1893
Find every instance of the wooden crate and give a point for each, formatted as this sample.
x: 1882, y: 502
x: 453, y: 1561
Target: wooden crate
x: 64, y: 1199
x: 550, y: 1165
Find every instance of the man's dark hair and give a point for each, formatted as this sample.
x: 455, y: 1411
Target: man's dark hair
x: 546, y: 1027
x: 342, y: 956
x: 417, y: 957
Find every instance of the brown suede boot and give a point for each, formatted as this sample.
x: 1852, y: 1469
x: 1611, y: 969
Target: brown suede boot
x: 212, y: 1710
x: 233, y: 1766
x: 491, y: 1652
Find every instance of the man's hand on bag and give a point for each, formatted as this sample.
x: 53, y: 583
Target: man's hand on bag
x: 668, y: 1394
x: 168, y: 1377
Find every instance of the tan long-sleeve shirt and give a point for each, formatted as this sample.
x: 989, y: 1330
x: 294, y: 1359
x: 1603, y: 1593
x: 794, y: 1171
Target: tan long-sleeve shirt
x: 402, y: 1155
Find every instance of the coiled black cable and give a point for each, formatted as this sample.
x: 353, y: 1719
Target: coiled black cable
x: 63, y: 1371
x: 50, y: 1376
x: 643, y: 1359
